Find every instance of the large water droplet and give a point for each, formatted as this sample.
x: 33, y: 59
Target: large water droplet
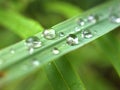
x: 49, y: 34
x: 93, y: 18
x: 81, y: 22
x: 115, y: 18
x: 55, y: 51
x: 33, y: 42
x: 87, y: 34
x: 72, y: 40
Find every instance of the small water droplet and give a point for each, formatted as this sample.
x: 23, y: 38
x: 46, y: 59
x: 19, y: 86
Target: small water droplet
x: 72, y: 40
x: 33, y: 42
x: 12, y: 51
x: 55, y: 51
x: 31, y: 50
x: 49, y: 34
x: 115, y: 18
x: 77, y: 29
x: 61, y: 34
x: 93, y: 18
x: 35, y: 62
x: 81, y: 22
x: 87, y: 34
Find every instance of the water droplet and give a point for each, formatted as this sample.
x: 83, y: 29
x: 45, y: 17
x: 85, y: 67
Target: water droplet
x: 87, y: 34
x: 115, y: 18
x: 61, y: 34
x: 93, y: 18
x: 77, y: 29
x: 33, y: 42
x: 55, y: 51
x: 49, y: 34
x: 81, y: 22
x: 35, y: 62
x: 12, y: 51
x: 31, y: 50
x: 72, y: 40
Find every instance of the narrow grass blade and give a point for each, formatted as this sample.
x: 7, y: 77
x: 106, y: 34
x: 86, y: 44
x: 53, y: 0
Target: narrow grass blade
x: 69, y: 74
x: 54, y: 76
x: 18, y: 23
x: 66, y: 9
x: 110, y: 47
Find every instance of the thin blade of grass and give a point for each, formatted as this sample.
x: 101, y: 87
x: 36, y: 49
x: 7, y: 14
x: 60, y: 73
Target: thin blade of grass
x: 54, y: 76
x: 19, y: 24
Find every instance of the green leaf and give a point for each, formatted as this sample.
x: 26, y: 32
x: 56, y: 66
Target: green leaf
x: 62, y: 70
x: 54, y: 76
x: 21, y: 63
x: 110, y: 48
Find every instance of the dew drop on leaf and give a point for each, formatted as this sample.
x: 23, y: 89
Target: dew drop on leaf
x: 86, y: 34
x: 115, y: 18
x: 72, y: 40
x: 93, y: 18
x: 55, y: 51
x: 49, y: 34
x: 77, y: 29
x: 33, y: 42
x: 61, y: 34
x: 31, y: 50
x: 12, y: 51
x: 35, y: 62
x: 81, y: 22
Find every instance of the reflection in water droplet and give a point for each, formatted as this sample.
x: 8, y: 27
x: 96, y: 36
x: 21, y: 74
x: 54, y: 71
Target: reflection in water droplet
x: 12, y: 51
x: 61, y: 34
x: 87, y: 34
x: 49, y: 34
x: 115, y: 18
x: 33, y: 42
x: 81, y: 22
x: 35, y: 62
x: 55, y: 51
x: 93, y: 18
x: 72, y: 40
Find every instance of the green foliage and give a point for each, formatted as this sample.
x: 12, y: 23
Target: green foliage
x: 73, y: 68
